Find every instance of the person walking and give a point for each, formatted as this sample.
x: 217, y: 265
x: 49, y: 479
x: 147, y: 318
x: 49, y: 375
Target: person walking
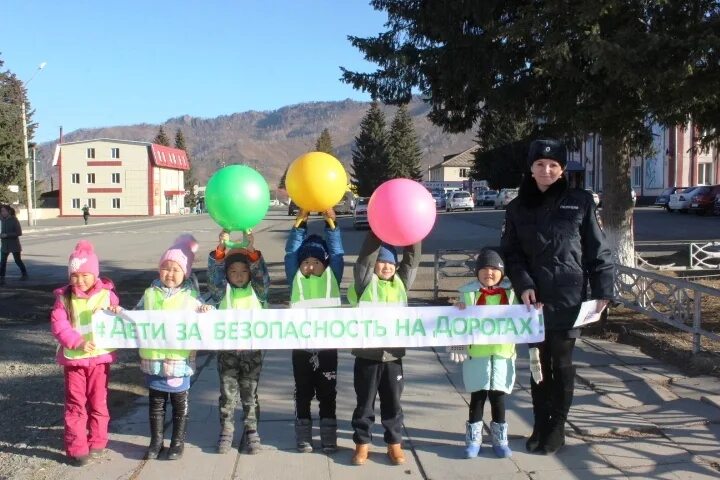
x: 556, y: 257
x: 10, y: 232
x: 85, y: 213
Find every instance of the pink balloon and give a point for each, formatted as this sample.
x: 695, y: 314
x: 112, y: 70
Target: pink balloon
x: 401, y: 212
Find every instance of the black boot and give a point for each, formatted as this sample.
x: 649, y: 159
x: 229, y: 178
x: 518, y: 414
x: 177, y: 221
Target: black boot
x: 561, y: 401
x: 541, y: 414
x: 157, y: 424
x: 180, y: 418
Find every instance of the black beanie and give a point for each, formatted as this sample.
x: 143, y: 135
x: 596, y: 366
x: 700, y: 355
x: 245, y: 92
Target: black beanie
x: 314, y: 246
x: 548, y: 148
x: 489, y: 258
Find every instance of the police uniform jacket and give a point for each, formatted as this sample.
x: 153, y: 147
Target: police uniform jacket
x: 553, y: 243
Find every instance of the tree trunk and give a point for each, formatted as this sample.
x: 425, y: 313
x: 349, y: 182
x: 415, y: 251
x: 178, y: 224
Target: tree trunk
x: 617, y: 206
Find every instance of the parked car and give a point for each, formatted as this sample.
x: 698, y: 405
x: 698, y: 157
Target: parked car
x: 360, y: 213
x: 505, y: 196
x: 486, y: 197
x: 664, y: 197
x: 703, y: 199
x: 293, y: 209
x: 681, y: 199
x: 439, y: 198
x: 596, y: 197
x: 346, y: 205
x: 459, y: 200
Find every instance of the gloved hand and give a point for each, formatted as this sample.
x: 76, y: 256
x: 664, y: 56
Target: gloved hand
x: 458, y: 353
x: 535, y: 367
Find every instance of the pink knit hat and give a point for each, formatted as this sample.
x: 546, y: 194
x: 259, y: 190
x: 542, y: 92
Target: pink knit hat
x: 83, y: 259
x: 182, y: 252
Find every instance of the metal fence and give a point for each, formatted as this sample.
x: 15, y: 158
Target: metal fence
x: 674, y: 301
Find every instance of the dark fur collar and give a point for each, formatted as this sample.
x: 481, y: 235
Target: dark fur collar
x: 532, y: 197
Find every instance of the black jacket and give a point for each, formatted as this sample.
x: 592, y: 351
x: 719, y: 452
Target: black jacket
x: 11, y: 231
x: 553, y: 243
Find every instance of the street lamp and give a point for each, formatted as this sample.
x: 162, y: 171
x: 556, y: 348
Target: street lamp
x: 28, y: 185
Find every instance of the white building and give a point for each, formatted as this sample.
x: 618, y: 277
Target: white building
x: 120, y: 178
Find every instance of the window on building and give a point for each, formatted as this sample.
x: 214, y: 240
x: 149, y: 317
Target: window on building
x: 115, y: 203
x: 90, y: 153
x: 91, y: 202
x: 637, y: 176
x: 75, y: 203
x: 90, y: 178
x: 464, y: 172
x: 115, y: 153
x: 705, y: 174
x: 75, y: 178
x: 115, y: 178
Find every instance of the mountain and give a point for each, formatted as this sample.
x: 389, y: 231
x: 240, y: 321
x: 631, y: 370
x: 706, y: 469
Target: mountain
x: 269, y: 141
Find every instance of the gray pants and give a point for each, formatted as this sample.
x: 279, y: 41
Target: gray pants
x: 239, y: 373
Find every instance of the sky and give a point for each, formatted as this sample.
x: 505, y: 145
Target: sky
x: 125, y: 62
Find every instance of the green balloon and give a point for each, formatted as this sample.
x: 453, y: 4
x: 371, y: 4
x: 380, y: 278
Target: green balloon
x: 237, y: 197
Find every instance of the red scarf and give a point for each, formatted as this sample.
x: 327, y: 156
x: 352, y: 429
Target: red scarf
x: 486, y: 292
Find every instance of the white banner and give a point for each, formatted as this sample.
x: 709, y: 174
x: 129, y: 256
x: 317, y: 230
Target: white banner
x: 316, y: 328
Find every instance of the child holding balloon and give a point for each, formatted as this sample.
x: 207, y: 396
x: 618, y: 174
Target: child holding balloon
x: 380, y: 280
x: 314, y: 268
x: 238, y: 279
x: 490, y: 370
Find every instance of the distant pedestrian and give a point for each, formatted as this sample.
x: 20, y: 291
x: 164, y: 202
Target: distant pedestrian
x: 10, y: 232
x: 489, y: 373
x: 86, y: 213
x: 554, y: 249
x: 86, y: 366
x: 238, y: 279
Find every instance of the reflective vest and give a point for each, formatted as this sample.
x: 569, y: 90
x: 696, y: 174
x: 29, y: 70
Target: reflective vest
x: 385, y: 292
x: 505, y: 350
x: 154, y: 299
x: 314, y: 291
x: 82, y: 311
x: 240, y: 298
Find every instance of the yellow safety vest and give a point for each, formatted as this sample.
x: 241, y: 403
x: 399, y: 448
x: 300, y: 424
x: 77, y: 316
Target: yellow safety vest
x: 154, y: 299
x: 315, y: 292
x: 240, y: 298
x: 379, y: 292
x: 82, y: 311
x: 504, y: 350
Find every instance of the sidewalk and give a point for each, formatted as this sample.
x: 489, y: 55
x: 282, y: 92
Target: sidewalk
x: 632, y: 418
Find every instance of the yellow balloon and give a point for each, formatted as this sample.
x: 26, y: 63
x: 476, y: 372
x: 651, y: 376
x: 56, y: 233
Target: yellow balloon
x: 316, y: 181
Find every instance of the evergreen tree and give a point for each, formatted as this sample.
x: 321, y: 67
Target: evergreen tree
x: 12, y: 154
x: 324, y: 143
x: 281, y: 183
x: 607, y: 67
x: 161, y: 138
x: 189, y: 178
x: 370, y: 154
x: 405, y: 152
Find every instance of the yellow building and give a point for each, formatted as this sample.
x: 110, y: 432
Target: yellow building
x: 120, y: 178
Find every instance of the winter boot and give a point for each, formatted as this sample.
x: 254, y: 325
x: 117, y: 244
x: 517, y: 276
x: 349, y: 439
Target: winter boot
x: 303, y: 435
x: 498, y: 433
x: 328, y: 435
x: 473, y: 439
x: 177, y: 442
x: 561, y: 402
x: 157, y: 426
x: 541, y: 414
x: 395, y: 453
x: 252, y: 442
x: 224, y: 443
x: 362, y: 450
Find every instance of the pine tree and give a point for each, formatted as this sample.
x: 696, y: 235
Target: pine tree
x: 324, y: 143
x: 161, y: 138
x: 370, y: 154
x: 189, y: 177
x: 12, y: 154
x: 405, y: 152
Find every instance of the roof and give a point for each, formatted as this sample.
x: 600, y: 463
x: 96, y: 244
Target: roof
x: 465, y: 158
x: 168, y: 157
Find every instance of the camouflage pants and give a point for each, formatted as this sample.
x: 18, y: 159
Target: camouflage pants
x: 239, y: 373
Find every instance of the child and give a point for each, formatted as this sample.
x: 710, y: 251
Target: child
x: 167, y: 372
x: 379, y: 280
x: 490, y: 370
x: 314, y: 285
x: 86, y: 366
x: 238, y: 279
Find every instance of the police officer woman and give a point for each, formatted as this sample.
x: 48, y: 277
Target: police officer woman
x: 556, y: 257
